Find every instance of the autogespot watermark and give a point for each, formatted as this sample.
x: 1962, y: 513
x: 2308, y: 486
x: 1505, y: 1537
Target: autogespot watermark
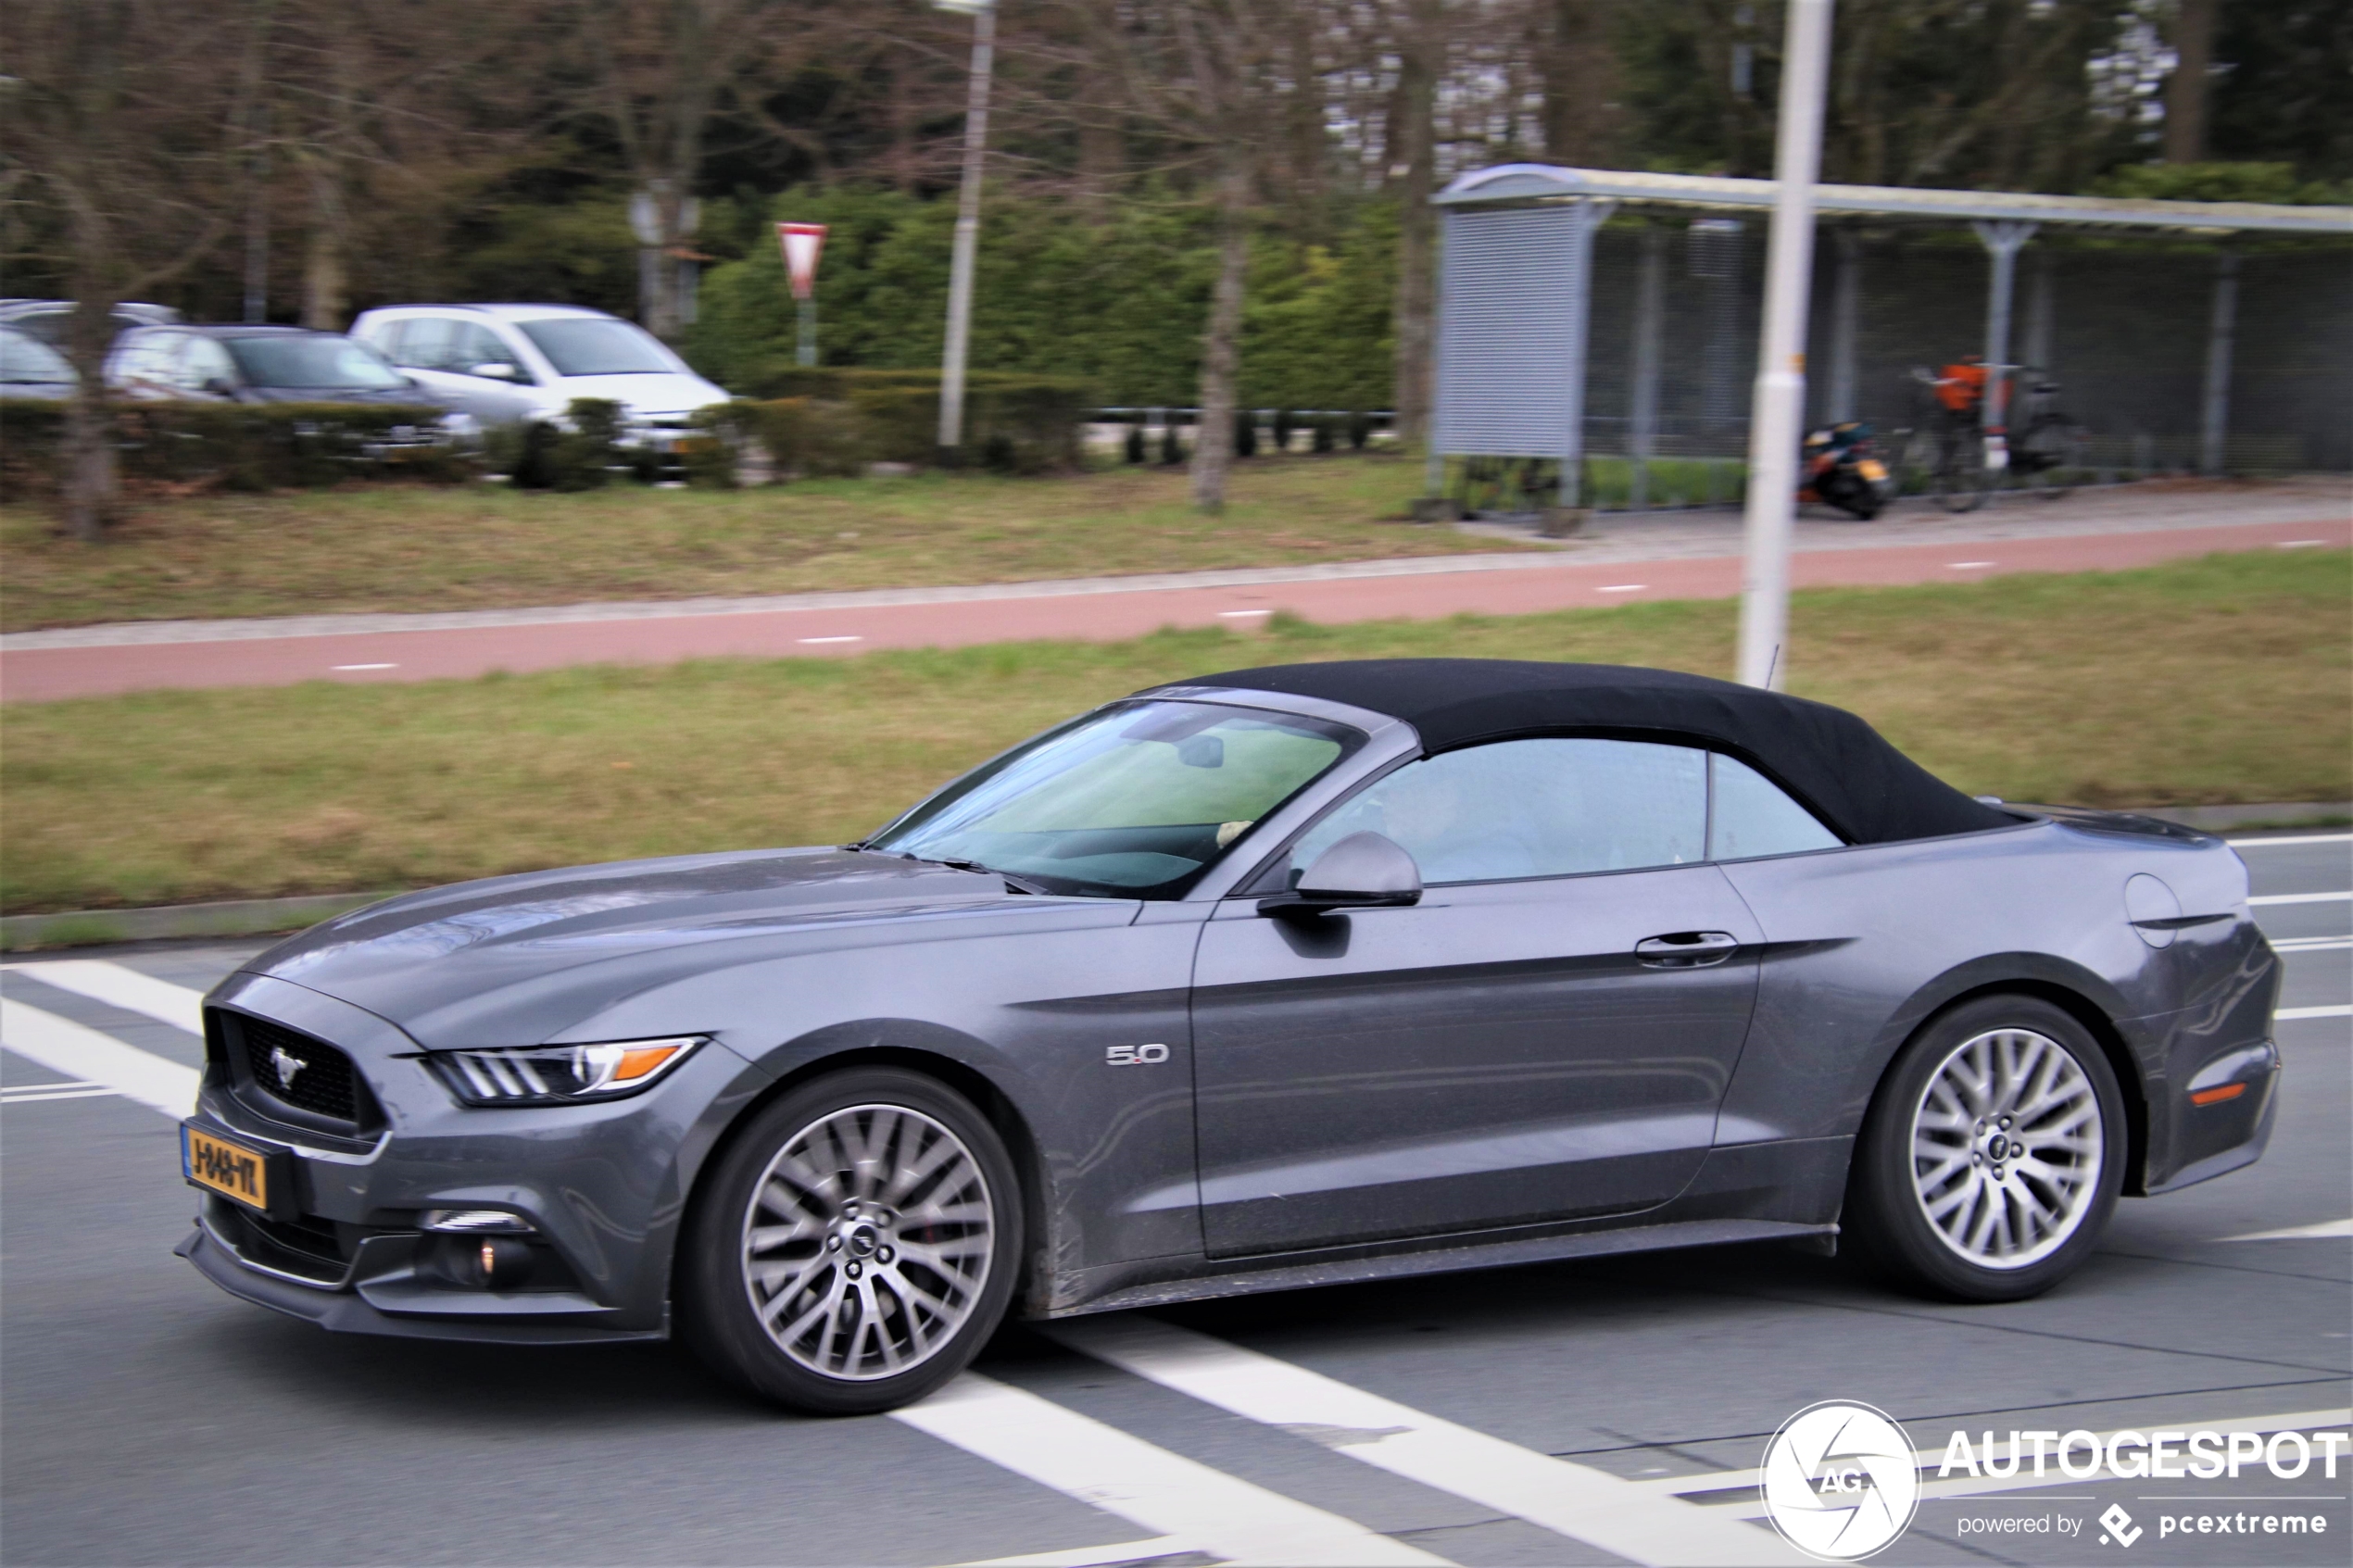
x: 1841, y: 1481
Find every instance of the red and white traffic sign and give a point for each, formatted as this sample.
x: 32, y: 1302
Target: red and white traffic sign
x: 801, y: 242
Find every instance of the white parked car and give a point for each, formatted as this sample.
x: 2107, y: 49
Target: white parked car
x: 508, y: 364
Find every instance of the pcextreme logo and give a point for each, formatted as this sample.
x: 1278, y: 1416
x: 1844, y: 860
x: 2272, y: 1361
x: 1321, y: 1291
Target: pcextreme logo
x: 1839, y: 1481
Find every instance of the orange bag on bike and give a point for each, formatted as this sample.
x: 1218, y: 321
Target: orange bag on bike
x: 1960, y: 387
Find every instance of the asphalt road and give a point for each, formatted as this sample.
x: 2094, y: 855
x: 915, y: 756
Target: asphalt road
x: 151, y: 1419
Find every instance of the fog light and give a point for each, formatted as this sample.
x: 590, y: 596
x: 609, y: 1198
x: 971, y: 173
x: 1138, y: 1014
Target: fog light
x: 478, y: 1221
x: 504, y: 1263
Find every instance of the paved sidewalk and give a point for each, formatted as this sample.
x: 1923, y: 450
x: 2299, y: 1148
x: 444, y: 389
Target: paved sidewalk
x: 1626, y: 557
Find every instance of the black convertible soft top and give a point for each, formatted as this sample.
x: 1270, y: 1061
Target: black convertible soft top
x: 1836, y: 764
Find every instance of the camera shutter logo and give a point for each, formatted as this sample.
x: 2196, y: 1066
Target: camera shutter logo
x: 1839, y: 1481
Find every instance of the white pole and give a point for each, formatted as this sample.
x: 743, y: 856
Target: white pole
x: 960, y: 271
x: 1778, y: 412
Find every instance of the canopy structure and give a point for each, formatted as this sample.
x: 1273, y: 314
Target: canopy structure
x: 1515, y: 290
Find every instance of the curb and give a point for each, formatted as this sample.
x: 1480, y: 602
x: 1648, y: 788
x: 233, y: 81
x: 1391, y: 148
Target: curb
x: 266, y: 917
x: 231, y: 917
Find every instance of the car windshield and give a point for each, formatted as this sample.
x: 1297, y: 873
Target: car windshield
x: 592, y: 346
x: 323, y: 362
x: 1134, y: 801
x: 26, y: 358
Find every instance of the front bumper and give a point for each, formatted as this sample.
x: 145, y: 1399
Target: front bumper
x: 350, y: 1311
x: 602, y: 1187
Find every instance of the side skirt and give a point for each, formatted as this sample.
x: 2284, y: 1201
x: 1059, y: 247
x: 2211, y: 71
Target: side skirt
x: 1445, y: 1259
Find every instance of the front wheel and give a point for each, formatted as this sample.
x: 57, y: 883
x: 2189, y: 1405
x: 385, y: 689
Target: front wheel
x: 1993, y: 1153
x: 854, y: 1245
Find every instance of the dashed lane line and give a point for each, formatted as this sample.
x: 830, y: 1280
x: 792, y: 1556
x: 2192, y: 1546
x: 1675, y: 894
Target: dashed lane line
x: 1589, y: 1505
x: 2338, y: 1010
x: 19, y: 1094
x: 2263, y: 898
x: 2327, y: 1230
x: 73, y: 1050
x: 2300, y: 838
x: 1175, y: 1497
x: 1115, y: 1556
x: 121, y: 986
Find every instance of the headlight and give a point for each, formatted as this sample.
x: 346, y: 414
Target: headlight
x: 559, y: 1075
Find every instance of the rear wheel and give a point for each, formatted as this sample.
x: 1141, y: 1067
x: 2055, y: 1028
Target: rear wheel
x: 855, y: 1245
x: 1993, y: 1153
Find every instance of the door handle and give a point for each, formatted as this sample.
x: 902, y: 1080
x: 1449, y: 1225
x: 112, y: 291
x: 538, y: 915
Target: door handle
x: 1686, y: 949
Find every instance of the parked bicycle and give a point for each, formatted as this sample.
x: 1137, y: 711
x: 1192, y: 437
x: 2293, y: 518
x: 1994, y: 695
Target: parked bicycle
x: 1961, y: 458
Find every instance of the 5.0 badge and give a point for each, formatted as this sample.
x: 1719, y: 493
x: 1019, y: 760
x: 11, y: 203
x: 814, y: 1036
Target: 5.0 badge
x: 1133, y: 1056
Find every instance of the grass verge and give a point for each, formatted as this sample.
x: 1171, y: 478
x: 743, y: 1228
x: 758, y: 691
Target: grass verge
x: 418, y: 547
x: 2213, y: 680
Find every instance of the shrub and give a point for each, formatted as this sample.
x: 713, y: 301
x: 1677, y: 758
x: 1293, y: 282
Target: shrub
x: 236, y: 446
x: 1245, y: 432
x: 1134, y: 451
x: 1360, y: 430
x: 1284, y: 425
x: 1322, y: 434
x: 1172, y: 451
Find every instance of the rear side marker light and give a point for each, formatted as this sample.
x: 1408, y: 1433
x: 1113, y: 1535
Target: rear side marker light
x: 2216, y: 1097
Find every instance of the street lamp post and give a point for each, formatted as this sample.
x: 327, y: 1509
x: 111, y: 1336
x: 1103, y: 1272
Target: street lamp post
x: 959, y: 272
x: 1777, y: 413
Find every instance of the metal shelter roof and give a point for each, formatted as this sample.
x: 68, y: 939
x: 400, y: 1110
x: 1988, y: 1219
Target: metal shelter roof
x: 1518, y: 182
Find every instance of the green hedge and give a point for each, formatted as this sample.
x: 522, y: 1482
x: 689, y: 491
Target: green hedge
x: 231, y: 445
x: 831, y: 419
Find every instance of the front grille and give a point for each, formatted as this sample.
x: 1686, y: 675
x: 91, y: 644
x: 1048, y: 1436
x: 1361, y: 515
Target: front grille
x: 307, y: 1074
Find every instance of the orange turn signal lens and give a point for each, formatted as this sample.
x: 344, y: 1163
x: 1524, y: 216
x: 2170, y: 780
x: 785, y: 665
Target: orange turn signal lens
x: 640, y: 1061
x: 2216, y: 1097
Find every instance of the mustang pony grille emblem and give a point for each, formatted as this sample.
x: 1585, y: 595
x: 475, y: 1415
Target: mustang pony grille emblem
x: 287, y: 1065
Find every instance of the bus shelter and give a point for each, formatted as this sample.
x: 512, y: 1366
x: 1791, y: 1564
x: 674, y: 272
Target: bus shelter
x: 2147, y: 300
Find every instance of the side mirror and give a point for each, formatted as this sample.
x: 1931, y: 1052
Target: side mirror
x: 496, y: 370
x: 1364, y: 870
x: 220, y: 387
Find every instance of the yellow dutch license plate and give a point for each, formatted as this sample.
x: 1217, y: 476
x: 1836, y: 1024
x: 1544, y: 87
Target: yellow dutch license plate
x: 231, y: 1169
x: 1871, y: 470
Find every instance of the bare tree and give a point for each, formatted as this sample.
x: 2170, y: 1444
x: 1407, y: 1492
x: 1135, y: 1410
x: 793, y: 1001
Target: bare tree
x: 662, y: 70
x: 1421, y: 52
x: 2187, y: 92
x: 131, y: 119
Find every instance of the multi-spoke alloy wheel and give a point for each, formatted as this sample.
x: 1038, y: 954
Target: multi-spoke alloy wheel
x: 867, y: 1242
x: 2006, y: 1147
x: 1993, y: 1153
x: 853, y: 1244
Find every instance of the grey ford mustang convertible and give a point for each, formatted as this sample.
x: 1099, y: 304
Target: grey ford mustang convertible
x: 1276, y: 978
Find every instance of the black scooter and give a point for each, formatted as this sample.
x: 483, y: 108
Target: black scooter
x: 1839, y: 468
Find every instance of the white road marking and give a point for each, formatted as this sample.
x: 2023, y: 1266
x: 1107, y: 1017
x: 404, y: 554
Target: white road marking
x: 1589, y: 1505
x: 2262, y: 898
x: 64, y: 1047
x: 23, y: 1091
x: 2309, y: 944
x: 363, y: 667
x: 121, y: 986
x: 2327, y: 1230
x: 1623, y: 588
x: 1166, y: 1493
x: 1967, y: 565
x: 1240, y: 614
x: 2298, y: 544
x: 830, y: 639
x: 1739, y: 1486
x: 1090, y: 1556
x: 2339, y: 1009
x: 2300, y: 838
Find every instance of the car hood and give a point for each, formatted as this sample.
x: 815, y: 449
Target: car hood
x: 646, y: 396
x: 571, y: 942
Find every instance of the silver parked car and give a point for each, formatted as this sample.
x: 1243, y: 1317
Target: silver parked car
x: 507, y: 364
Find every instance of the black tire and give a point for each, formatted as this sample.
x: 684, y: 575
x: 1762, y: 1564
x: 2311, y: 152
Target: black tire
x: 1887, y: 1216
x: 885, y: 1261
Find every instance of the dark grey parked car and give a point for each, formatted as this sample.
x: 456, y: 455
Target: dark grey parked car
x: 1280, y: 977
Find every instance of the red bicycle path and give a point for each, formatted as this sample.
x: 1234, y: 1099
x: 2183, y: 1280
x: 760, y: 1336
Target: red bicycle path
x: 42, y: 674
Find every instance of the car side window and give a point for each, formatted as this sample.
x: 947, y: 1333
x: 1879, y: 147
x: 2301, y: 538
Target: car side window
x: 1749, y: 816
x: 475, y: 345
x: 1550, y: 807
x: 424, y: 343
